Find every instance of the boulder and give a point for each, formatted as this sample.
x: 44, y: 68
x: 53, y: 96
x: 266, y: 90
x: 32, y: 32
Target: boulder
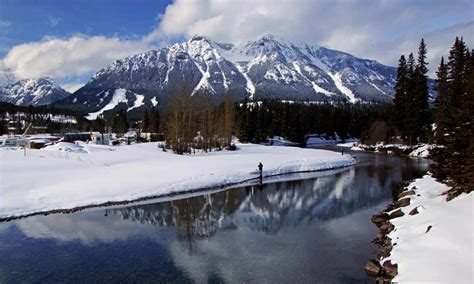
x: 403, y: 202
x: 382, y: 280
x: 414, y: 211
x: 380, y: 217
x: 386, y: 227
x: 373, y: 268
x: 386, y: 250
x: 389, y: 207
x: 406, y: 193
x: 391, y: 270
x: 396, y: 214
x: 379, y: 238
x: 387, y: 241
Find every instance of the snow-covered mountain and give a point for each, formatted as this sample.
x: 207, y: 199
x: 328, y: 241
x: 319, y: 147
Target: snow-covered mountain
x: 266, y: 68
x: 6, y: 76
x: 42, y: 91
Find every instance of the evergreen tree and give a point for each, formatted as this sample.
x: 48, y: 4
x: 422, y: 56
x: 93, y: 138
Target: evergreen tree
x: 410, y: 111
x: 120, y: 122
x: 442, y: 114
x: 145, y: 125
x: 420, y: 98
x: 455, y: 160
x: 400, y: 98
x: 154, y: 120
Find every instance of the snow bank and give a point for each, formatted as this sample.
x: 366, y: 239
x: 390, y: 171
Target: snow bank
x: 87, y: 174
x: 414, y: 151
x: 422, y: 152
x: 444, y: 253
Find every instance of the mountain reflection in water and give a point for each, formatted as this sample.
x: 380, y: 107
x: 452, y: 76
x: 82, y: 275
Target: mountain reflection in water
x: 311, y: 230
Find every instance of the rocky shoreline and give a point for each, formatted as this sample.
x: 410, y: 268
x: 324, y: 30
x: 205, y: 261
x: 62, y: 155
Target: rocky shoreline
x: 384, y: 273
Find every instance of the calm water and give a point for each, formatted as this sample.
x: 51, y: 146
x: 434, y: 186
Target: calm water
x: 315, y: 230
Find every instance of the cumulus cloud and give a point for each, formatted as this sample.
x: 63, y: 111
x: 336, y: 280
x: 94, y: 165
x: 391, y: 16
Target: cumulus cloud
x: 373, y: 29
x: 74, y: 56
x: 380, y: 30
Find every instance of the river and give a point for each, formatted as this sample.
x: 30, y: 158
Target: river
x: 315, y: 229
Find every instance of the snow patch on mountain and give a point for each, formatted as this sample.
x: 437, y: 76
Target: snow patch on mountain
x: 249, y: 84
x: 154, y: 101
x: 118, y: 97
x: 345, y: 90
x: 139, y: 101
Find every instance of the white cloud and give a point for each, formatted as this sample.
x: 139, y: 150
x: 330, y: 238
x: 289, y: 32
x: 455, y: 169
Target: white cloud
x: 380, y: 30
x: 74, y: 56
x: 71, y: 87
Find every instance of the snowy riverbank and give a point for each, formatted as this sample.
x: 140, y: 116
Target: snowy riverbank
x: 413, y: 151
x: 432, y: 241
x: 67, y: 176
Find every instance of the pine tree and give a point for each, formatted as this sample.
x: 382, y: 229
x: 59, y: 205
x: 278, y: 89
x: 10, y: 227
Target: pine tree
x: 400, y: 95
x: 420, y: 98
x: 442, y: 103
x: 145, y: 125
x: 455, y: 160
x: 410, y: 110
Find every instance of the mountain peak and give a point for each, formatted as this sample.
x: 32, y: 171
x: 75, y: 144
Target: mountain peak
x: 40, y: 91
x: 269, y: 67
x: 199, y: 37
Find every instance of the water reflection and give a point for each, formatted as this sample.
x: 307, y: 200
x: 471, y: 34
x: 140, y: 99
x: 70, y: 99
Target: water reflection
x: 313, y: 230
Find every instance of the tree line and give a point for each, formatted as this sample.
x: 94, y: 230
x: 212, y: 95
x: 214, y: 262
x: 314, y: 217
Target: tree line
x: 413, y: 115
x: 454, y: 119
x: 258, y: 120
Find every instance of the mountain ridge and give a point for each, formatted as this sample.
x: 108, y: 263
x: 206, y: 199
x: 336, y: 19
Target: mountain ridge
x: 266, y: 68
x: 36, y: 92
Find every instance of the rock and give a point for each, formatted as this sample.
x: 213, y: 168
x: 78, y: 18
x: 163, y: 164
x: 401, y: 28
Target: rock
x: 414, y: 211
x: 396, y: 214
x: 389, y: 207
x: 391, y: 270
x: 453, y: 194
x: 386, y: 227
x: 379, y: 238
x: 386, y: 250
x: 382, y: 280
x: 379, y: 217
x: 406, y: 193
x: 373, y: 268
x: 428, y: 229
x: 403, y: 202
x: 387, y: 241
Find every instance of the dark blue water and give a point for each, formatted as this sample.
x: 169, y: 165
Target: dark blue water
x: 315, y: 230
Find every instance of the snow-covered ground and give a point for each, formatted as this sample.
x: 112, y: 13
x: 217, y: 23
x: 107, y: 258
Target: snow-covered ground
x: 66, y: 176
x: 415, y: 151
x: 444, y: 254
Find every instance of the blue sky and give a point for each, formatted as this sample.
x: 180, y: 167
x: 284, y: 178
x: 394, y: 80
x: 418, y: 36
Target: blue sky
x: 70, y: 40
x: 32, y: 20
